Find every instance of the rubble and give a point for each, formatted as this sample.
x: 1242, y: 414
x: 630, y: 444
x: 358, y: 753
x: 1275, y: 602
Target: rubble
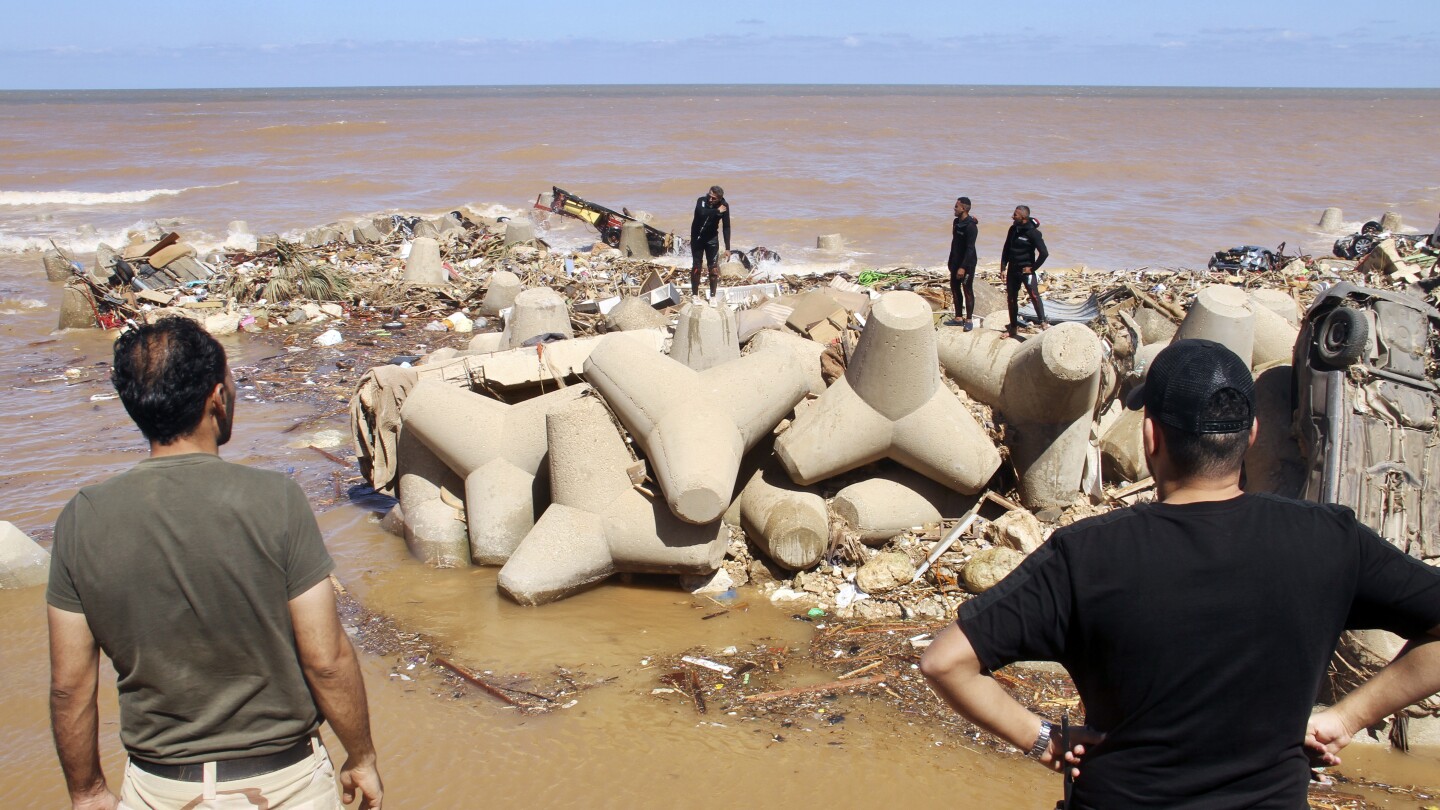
x: 837, y: 428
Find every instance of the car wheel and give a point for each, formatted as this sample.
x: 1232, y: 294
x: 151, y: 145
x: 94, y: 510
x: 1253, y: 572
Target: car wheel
x: 1344, y: 337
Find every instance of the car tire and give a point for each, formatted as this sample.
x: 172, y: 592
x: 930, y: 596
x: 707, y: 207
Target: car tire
x: 1343, y: 338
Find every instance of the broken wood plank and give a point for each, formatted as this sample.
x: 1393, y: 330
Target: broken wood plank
x: 1138, y: 486
x: 342, y: 462
x: 1001, y: 501
x: 485, y: 685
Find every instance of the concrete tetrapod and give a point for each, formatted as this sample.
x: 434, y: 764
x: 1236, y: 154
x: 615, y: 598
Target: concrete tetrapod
x: 504, y: 286
x: 890, y: 403
x: 790, y: 525
x: 878, y: 509
x: 496, y: 448
x: 1222, y: 313
x: 423, y: 265
x: 598, y: 523
x: 705, y: 336
x: 1049, y: 396
x: 537, y: 311
x: 806, y: 351
x: 433, y: 528
x: 694, y: 425
x: 1046, y: 387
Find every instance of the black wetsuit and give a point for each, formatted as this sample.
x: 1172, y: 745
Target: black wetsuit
x: 1022, y: 255
x: 962, y: 257
x: 704, y: 239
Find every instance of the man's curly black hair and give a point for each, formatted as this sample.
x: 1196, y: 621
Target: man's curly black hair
x: 164, y: 372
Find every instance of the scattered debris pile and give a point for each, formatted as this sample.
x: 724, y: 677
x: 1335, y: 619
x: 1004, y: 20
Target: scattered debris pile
x: 828, y: 439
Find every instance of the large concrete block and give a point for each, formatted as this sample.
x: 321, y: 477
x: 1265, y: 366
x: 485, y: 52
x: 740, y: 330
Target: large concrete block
x: 598, y: 522
x: 789, y: 524
x: 486, y: 343
x: 536, y: 312
x: 705, y: 336
x: 1277, y: 301
x: 1221, y: 313
x: 500, y: 294
x: 1274, y: 337
x: 879, y: 508
x: 807, y: 353
x: 1046, y: 388
x: 1274, y: 463
x: 77, y: 311
x: 1049, y: 400
x: 23, y: 563
x: 634, y: 243
x: 694, y: 425
x: 430, y: 493
x: 634, y: 313
x: 1331, y: 219
x: 496, y: 448
x: 57, y: 267
x: 1122, y: 448
x: 423, y: 266
x: 518, y: 231
x: 978, y: 361
x: 1155, y: 327
x: 891, y: 403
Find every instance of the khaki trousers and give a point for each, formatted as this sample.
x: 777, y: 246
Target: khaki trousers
x: 306, y: 785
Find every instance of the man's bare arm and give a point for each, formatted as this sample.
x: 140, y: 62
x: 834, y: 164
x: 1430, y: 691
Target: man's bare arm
x: 74, y: 716
x: 333, y: 672
x: 954, y: 671
x: 1413, y: 676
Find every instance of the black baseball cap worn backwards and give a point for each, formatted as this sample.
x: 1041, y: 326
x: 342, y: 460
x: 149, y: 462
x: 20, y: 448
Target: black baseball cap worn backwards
x: 1186, y: 382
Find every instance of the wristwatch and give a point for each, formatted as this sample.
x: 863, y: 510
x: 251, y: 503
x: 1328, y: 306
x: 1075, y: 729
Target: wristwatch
x: 1042, y: 742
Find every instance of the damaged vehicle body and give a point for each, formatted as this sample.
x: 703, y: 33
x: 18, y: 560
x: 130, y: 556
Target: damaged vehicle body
x: 1366, y: 407
x: 605, y: 220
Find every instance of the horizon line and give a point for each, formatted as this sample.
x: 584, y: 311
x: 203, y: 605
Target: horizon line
x: 737, y: 85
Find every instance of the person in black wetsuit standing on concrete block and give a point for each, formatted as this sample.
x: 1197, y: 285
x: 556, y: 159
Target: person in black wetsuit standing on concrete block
x: 711, y: 212
x: 962, y: 262
x: 1022, y: 255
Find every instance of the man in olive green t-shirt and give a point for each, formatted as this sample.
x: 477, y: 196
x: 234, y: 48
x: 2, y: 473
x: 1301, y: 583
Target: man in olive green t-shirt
x: 206, y: 583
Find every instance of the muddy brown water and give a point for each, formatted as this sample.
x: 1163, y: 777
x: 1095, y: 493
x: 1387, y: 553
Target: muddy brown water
x: 618, y: 746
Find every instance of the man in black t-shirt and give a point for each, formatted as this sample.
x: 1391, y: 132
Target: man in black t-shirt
x: 1197, y: 629
x: 962, y: 262
x: 712, y: 216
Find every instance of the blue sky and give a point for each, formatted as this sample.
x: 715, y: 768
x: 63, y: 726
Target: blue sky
x: 89, y: 44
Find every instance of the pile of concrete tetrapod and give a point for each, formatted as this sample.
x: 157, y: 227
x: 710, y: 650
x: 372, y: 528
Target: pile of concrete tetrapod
x: 555, y: 488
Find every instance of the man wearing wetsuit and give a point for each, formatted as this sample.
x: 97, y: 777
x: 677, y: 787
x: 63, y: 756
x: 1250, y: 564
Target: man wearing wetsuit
x: 962, y: 262
x: 711, y: 211
x: 1022, y: 255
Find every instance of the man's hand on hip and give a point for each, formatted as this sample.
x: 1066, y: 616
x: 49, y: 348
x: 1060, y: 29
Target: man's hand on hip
x: 1325, y: 735
x: 1057, y: 758
x: 362, y: 778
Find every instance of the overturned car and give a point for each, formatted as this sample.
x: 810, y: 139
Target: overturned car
x: 1366, y: 408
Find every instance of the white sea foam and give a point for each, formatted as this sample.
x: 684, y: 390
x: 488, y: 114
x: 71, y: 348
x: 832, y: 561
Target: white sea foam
x: 72, y: 198
x: 81, y: 240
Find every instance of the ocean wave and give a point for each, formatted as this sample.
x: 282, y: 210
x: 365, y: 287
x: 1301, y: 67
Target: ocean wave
x: 18, y: 198
x: 81, y: 240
